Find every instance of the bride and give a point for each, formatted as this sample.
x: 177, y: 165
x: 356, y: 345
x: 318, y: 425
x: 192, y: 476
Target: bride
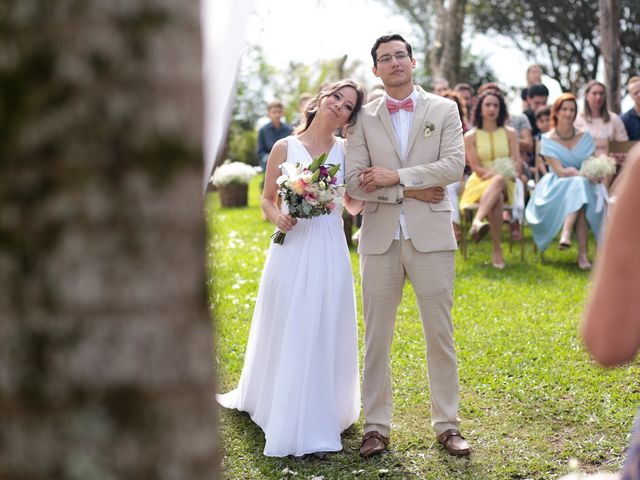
x: 300, y: 379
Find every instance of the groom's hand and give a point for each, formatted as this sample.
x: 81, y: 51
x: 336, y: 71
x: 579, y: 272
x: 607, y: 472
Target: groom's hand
x: 431, y: 194
x: 376, y: 177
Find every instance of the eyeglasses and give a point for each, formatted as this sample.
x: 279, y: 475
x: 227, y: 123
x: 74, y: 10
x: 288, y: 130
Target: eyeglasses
x: 399, y: 56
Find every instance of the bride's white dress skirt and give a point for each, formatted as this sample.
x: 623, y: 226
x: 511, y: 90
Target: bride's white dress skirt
x: 300, y: 380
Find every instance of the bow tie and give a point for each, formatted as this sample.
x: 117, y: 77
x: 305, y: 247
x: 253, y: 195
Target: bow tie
x: 403, y: 105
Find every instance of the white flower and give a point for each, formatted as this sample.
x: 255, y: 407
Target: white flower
x: 322, y: 185
x: 288, y: 169
x: 428, y: 129
x: 598, y: 167
x: 504, y: 167
x: 307, y: 178
x: 282, y: 179
x: 232, y: 172
x: 574, y: 464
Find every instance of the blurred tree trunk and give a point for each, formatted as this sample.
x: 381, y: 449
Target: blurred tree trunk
x: 105, y: 338
x: 610, y: 50
x: 446, y: 53
x: 420, y: 14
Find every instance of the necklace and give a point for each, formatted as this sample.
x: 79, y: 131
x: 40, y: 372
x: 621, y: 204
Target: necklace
x: 570, y: 137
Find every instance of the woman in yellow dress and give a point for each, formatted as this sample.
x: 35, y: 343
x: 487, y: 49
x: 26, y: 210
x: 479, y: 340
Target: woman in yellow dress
x: 490, y: 139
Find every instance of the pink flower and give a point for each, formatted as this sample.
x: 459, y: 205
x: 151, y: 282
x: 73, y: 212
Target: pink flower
x: 298, y: 186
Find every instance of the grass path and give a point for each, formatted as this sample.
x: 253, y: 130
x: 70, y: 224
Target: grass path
x: 531, y: 399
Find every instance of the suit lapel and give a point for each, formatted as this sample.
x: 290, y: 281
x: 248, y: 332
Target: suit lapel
x: 418, y: 118
x: 385, y: 118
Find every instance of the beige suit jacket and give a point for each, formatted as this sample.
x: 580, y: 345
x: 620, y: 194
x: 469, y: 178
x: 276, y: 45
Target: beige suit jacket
x: 435, y: 159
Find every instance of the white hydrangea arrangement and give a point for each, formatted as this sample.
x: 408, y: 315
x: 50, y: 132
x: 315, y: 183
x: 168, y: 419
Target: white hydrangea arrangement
x: 232, y: 173
x: 504, y: 167
x: 598, y: 167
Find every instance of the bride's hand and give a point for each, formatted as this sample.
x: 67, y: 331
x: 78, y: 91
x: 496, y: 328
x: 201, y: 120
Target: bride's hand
x: 285, y: 222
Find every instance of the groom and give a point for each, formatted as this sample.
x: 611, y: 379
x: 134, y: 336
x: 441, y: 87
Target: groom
x: 404, y: 147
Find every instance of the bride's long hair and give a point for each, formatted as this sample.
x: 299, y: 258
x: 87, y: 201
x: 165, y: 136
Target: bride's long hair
x: 311, y: 109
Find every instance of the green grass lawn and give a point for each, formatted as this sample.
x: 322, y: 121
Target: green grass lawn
x: 531, y: 399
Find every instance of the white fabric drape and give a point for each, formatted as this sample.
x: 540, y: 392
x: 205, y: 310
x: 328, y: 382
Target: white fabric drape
x: 223, y: 28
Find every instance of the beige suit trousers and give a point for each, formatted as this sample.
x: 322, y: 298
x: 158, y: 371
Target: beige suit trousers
x: 383, y: 278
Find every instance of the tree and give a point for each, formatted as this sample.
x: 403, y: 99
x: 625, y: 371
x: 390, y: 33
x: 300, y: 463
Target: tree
x: 610, y: 48
x: 439, y: 29
x: 446, y: 53
x: 474, y: 69
x: 260, y: 82
x: 420, y: 14
x: 106, y: 369
x: 562, y: 34
x: 629, y: 40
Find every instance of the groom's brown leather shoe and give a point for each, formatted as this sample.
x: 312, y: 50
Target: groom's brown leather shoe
x: 454, y: 442
x: 373, y: 443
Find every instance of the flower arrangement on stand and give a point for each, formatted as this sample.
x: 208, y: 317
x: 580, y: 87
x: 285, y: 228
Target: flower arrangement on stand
x: 232, y: 181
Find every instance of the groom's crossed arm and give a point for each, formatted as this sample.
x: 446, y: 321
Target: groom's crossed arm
x: 423, y: 182
x: 357, y: 162
x: 450, y: 164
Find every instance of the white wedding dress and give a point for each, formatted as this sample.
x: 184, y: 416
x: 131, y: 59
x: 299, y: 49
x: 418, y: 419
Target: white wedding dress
x: 300, y: 380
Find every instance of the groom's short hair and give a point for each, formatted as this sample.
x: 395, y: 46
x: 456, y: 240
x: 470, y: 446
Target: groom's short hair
x: 385, y: 39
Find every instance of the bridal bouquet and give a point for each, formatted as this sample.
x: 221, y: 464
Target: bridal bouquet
x: 504, y: 167
x: 309, y: 191
x: 598, y: 167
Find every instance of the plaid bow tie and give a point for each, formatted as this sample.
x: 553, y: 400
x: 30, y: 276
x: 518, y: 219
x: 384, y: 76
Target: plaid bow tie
x: 403, y: 105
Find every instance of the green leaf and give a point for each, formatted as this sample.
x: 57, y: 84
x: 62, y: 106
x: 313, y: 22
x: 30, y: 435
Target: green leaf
x: 319, y: 160
x: 334, y: 169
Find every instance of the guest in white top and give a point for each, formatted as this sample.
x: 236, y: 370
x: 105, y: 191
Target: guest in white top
x: 595, y: 118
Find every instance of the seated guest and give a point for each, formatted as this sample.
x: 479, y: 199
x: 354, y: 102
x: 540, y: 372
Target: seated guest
x: 466, y: 93
x: 490, y: 86
x: 273, y: 131
x: 454, y: 188
x: 462, y: 108
x: 596, y: 118
x: 440, y: 85
x: 376, y: 92
x: 534, y: 77
x: 520, y: 123
x: 564, y: 197
x: 537, y: 96
x: 543, y: 122
x: 631, y: 118
x: 302, y: 103
x: 490, y: 139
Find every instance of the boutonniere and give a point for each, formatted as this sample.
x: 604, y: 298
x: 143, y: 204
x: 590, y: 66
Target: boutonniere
x: 428, y: 129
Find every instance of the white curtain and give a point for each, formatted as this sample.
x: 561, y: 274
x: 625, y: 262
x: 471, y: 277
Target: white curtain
x: 223, y: 27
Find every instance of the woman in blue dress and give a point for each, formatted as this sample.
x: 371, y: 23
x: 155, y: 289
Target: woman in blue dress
x: 564, y: 198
